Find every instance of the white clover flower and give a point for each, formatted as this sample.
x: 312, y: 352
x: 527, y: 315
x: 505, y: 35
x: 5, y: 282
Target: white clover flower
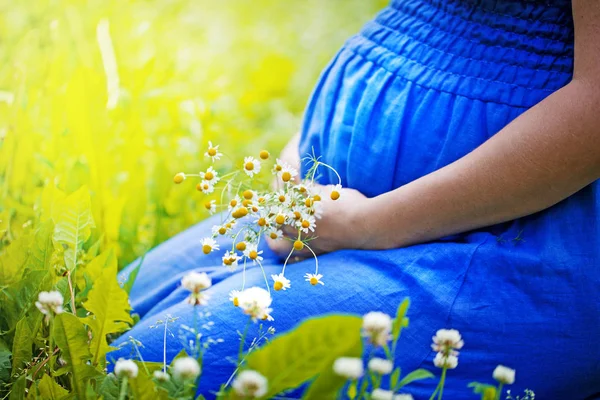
x: 208, y: 245
x: 446, y: 340
x: 403, y: 396
x: 381, y: 394
x: 126, y: 368
x: 211, y: 206
x: 213, y: 152
x: 442, y: 360
x: 186, y: 368
x: 504, y: 375
x: 205, y: 187
x: 281, y: 282
x: 196, y: 282
x: 234, y: 297
x: 250, y: 384
x: 314, y: 279
x: 377, y: 327
x: 381, y: 366
x: 252, y: 252
x: 255, y: 302
x: 251, y: 166
x: 230, y: 260
x: 210, y: 175
x: 348, y: 367
x: 161, y: 376
x: 50, y: 303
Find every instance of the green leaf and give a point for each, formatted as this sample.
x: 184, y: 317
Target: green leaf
x: 42, y: 247
x: 110, y: 307
x: 401, y: 321
x: 73, y: 223
x: 416, y: 375
x: 5, y: 355
x: 394, y: 377
x: 22, y: 345
x: 109, y: 388
x: 51, y: 390
x: 17, y: 391
x: 308, y: 350
x: 13, y: 259
x: 71, y: 337
x: 131, y: 278
x: 143, y: 387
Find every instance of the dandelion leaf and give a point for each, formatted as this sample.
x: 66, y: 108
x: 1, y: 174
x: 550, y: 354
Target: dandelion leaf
x: 73, y: 223
x: 110, y: 307
x: 308, y: 351
x: 51, y: 390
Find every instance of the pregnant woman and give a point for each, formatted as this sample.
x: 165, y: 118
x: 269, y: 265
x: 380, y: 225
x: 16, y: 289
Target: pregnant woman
x: 467, y: 133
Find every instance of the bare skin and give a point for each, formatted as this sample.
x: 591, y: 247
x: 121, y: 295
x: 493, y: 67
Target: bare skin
x: 542, y: 157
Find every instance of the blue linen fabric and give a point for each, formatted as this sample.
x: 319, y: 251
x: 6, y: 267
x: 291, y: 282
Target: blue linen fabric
x: 420, y: 86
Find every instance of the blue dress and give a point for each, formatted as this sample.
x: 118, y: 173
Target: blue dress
x: 419, y: 87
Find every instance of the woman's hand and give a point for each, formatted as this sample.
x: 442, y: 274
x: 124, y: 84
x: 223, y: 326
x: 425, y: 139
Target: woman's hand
x: 343, y: 225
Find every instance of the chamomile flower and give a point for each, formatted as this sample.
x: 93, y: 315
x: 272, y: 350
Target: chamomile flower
x: 281, y: 215
x: 230, y: 260
x: 307, y: 224
x: 234, y: 297
x: 256, y: 303
x: 211, y: 206
x: 251, y: 166
x: 281, y: 282
x: 205, y: 187
x: 221, y: 229
x: 283, y: 198
x: 287, y: 173
x: 275, y: 233
x: 314, y: 279
x: 277, y: 167
x: 335, y: 193
x: 213, y: 152
x: 252, y: 252
x: 234, y: 203
x: 178, y: 178
x: 210, y: 175
x: 208, y: 245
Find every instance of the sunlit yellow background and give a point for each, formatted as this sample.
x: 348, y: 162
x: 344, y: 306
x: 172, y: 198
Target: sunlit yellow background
x: 121, y: 95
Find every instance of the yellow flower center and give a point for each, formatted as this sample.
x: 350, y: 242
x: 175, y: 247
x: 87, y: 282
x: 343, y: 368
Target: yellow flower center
x: 239, y: 213
x: 233, y: 203
x: 205, y: 186
x: 254, y: 209
x: 246, y: 202
x: 227, y: 261
x: 302, y: 189
x: 298, y: 245
x: 262, y: 222
x: 236, y: 302
x: 278, y: 167
x: 208, y: 205
x: 261, y: 199
x: 199, y: 187
x: 249, y: 166
x: 316, y: 197
x: 209, y: 176
x: 308, y: 202
x: 286, y: 176
x: 297, y: 215
x: 206, y: 249
x: 253, y: 254
x: 305, y: 224
x: 264, y: 154
x: 212, y: 152
x: 241, y: 246
x: 313, y: 281
x: 179, y: 178
x: 228, y: 225
x: 280, y: 219
x: 248, y: 194
x: 335, y: 195
x: 278, y: 285
x: 222, y: 230
x: 273, y: 235
x: 281, y: 198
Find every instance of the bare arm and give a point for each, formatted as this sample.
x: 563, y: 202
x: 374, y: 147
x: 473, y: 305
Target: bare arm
x: 544, y: 156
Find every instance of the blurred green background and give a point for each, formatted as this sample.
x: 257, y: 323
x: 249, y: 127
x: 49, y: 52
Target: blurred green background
x: 120, y: 95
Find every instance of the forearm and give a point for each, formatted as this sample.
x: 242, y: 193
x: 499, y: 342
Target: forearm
x: 544, y: 156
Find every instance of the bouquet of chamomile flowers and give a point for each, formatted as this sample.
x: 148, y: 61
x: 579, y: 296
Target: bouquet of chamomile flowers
x: 289, y: 211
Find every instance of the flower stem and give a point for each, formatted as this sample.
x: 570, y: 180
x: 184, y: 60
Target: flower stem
x: 123, y: 392
x: 73, y: 310
x: 165, y: 345
x: 499, y: 391
x: 442, y: 381
x: 51, y: 343
x: 243, y: 341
